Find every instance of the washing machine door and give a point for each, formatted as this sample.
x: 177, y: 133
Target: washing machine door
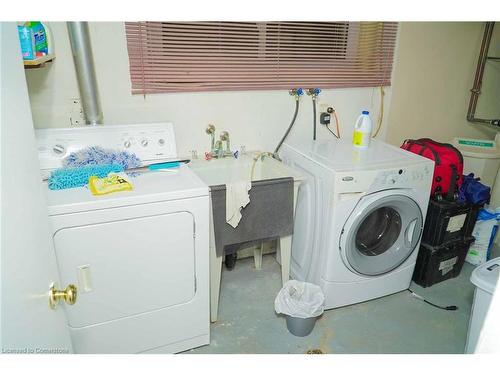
x: 381, y: 233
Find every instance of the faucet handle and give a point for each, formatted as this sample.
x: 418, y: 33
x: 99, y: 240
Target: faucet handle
x: 314, y: 91
x: 210, y: 129
x: 224, y: 137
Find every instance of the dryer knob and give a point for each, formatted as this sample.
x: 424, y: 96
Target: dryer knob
x: 144, y: 142
x: 58, y: 149
x: 127, y: 144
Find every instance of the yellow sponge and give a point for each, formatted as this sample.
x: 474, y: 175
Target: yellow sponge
x: 110, y: 184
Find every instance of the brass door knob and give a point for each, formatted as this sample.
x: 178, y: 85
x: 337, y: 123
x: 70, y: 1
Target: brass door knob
x: 68, y: 295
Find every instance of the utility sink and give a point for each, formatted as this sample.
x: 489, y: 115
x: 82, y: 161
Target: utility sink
x: 268, y: 216
x: 226, y: 170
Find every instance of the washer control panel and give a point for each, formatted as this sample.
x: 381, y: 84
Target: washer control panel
x: 149, y: 142
x: 394, y: 177
x: 373, y: 180
x: 402, y: 176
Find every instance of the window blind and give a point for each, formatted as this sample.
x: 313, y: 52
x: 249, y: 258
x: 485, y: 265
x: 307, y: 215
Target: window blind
x: 212, y: 56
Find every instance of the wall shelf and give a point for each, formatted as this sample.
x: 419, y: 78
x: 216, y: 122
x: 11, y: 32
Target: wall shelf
x: 38, y: 62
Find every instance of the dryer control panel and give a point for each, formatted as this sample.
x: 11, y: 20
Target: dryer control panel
x: 149, y: 142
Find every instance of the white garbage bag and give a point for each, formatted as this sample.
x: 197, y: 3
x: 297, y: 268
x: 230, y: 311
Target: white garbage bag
x: 300, y: 300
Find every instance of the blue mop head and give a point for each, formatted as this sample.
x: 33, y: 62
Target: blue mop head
x: 96, y: 155
x: 91, y: 161
x: 67, y: 178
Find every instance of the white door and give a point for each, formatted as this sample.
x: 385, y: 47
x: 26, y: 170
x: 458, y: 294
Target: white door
x: 381, y: 233
x: 28, y: 265
x: 113, y: 271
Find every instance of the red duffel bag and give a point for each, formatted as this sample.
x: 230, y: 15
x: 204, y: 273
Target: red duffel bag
x: 448, y: 167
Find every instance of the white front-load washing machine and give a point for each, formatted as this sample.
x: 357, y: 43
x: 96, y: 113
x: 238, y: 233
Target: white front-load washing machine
x: 359, y: 217
x: 139, y: 258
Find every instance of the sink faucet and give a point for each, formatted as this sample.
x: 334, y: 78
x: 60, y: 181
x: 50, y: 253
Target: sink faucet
x: 218, y: 150
x: 224, y: 137
x: 216, y: 147
x: 210, y: 130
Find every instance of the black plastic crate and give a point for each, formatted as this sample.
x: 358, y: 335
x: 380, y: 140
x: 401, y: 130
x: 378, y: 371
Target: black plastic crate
x: 439, y: 263
x: 447, y: 221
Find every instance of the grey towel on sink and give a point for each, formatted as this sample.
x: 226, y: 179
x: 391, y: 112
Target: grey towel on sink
x: 268, y: 215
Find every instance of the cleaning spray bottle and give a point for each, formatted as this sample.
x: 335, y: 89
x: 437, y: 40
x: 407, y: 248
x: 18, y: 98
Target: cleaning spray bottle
x: 42, y: 37
x: 362, y: 131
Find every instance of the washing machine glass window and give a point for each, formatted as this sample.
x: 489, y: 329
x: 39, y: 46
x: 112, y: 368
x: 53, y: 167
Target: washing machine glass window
x: 378, y: 231
x: 381, y: 233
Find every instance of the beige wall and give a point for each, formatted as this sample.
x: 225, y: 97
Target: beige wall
x: 432, y: 81
x: 255, y: 119
x: 433, y: 73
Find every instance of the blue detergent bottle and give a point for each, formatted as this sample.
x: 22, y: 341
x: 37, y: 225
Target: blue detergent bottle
x: 27, y: 41
x: 40, y: 36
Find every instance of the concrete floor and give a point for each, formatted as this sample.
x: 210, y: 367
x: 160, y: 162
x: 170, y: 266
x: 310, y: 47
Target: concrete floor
x: 398, y: 323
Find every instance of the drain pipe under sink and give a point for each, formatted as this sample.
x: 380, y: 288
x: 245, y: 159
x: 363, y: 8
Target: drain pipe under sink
x: 79, y: 38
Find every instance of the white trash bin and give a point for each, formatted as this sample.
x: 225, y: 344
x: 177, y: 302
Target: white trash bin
x: 485, y: 278
x: 481, y: 157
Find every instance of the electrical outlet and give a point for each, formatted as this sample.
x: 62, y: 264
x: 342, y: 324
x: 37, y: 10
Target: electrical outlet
x: 323, y: 105
x: 76, y: 116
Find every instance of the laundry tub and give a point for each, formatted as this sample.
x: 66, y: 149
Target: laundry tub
x: 485, y: 278
x: 269, y: 214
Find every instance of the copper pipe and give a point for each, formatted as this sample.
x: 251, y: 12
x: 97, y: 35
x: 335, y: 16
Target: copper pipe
x: 478, y: 79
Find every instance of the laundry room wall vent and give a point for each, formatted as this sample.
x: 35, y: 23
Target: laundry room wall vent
x: 212, y: 56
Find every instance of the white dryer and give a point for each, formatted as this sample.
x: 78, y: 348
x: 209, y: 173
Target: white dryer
x: 359, y: 217
x: 138, y: 258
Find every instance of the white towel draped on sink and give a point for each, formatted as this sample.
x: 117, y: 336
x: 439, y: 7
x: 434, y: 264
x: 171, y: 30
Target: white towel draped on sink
x: 236, y: 198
